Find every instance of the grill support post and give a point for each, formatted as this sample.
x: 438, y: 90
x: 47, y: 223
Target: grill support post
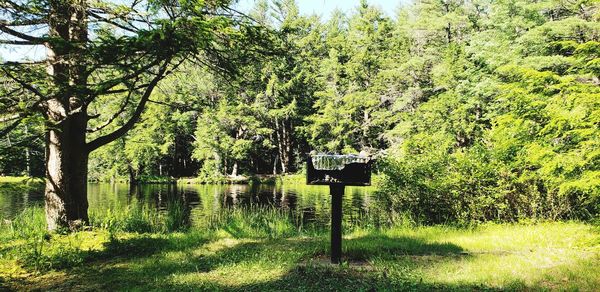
x: 337, y: 192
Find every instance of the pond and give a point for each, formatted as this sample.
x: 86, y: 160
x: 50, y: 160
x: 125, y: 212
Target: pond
x: 311, y: 202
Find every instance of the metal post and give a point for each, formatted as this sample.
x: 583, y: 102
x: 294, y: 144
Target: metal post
x: 337, y: 192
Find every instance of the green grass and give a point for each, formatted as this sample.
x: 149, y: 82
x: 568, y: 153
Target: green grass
x: 19, y: 180
x: 11, y: 183
x: 265, y: 251
x: 223, y: 179
x: 13, y: 179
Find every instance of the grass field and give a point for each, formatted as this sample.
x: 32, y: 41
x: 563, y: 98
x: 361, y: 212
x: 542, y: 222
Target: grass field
x: 544, y: 256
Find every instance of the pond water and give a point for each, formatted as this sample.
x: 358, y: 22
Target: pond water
x: 312, y: 201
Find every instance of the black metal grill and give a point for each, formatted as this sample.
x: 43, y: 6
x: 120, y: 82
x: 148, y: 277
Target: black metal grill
x: 338, y: 171
x: 328, y: 169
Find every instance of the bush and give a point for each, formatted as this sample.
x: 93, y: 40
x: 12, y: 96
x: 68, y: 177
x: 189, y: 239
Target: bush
x: 472, y: 186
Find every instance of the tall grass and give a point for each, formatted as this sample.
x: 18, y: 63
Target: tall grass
x: 31, y: 222
x: 26, y: 241
x: 142, y: 218
x: 255, y: 222
x: 271, y: 222
x: 177, y: 215
x: 132, y: 218
x: 27, y: 233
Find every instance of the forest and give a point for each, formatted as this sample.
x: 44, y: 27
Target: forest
x: 477, y: 113
x: 476, y: 110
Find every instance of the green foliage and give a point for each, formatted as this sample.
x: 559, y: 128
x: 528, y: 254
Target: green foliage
x: 480, y: 110
x: 513, y: 134
x: 22, y: 150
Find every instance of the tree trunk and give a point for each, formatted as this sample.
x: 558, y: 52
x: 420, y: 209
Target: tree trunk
x: 234, y: 171
x: 66, y: 126
x: 284, y: 143
x: 132, y: 175
x: 280, y: 151
x: 287, y: 154
x: 66, y: 174
x: 27, y: 155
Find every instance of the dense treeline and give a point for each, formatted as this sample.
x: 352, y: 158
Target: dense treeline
x: 508, y: 125
x: 477, y: 110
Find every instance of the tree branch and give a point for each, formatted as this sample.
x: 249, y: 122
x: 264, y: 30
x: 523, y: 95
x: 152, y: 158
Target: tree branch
x: 18, y: 43
x: 10, y: 118
x: 6, y: 4
x: 25, y: 85
x: 125, y: 89
x: 109, y: 21
x: 113, y: 117
x: 8, y: 30
x: 10, y: 127
x: 172, y: 105
x: 24, y: 22
x: 103, y: 140
x: 104, y: 87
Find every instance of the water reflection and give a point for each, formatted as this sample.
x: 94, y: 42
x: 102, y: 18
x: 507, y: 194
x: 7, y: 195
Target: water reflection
x: 14, y: 198
x: 311, y: 202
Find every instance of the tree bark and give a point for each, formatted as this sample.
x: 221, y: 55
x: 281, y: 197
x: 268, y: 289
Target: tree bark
x: 66, y: 126
x: 287, y: 146
x: 284, y: 144
x: 279, y: 136
x: 132, y: 174
x: 234, y: 171
x: 66, y: 174
x: 27, y: 155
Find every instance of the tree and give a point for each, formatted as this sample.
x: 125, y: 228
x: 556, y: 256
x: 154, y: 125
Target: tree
x: 22, y: 150
x: 102, y: 52
x: 289, y: 81
x: 224, y: 141
x: 353, y: 109
x: 506, y: 125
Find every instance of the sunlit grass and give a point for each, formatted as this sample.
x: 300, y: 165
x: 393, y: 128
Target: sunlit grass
x: 12, y: 179
x: 10, y: 184
x: 19, y: 179
x: 546, y: 255
x: 250, y: 257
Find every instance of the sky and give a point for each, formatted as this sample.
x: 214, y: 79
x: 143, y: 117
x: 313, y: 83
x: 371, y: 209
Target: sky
x: 325, y: 7
x: 322, y: 8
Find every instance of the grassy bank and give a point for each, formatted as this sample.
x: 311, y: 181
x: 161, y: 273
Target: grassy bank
x: 240, y: 179
x: 19, y: 180
x: 143, y: 179
x: 13, y: 179
x: 267, y: 252
x: 12, y: 183
x: 245, y: 179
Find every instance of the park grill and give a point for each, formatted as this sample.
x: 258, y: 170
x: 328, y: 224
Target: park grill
x: 338, y: 171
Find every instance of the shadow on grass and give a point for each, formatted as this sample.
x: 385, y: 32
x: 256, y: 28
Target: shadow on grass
x: 148, y: 262
x: 3, y: 285
x: 147, y: 245
x: 370, y: 246
x: 323, y: 278
x: 65, y: 256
